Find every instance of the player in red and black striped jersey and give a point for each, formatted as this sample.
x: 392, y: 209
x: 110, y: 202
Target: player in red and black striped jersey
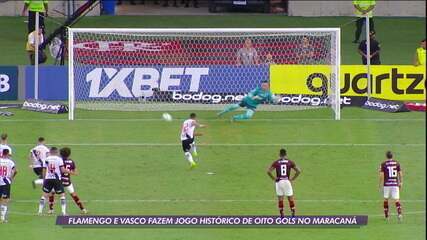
x: 66, y: 180
x: 283, y: 179
x: 391, y: 180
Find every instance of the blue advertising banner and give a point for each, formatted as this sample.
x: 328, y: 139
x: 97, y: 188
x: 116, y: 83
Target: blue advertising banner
x: 136, y: 82
x: 53, y: 83
x: 8, y: 83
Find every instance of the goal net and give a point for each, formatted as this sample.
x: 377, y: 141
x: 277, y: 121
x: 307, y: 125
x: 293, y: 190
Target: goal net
x: 202, y: 69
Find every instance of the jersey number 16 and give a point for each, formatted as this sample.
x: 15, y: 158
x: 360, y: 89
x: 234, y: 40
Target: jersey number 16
x: 392, y: 171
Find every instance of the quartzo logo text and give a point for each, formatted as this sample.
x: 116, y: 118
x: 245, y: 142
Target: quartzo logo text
x: 415, y: 81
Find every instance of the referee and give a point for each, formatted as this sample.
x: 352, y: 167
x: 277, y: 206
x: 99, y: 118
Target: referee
x: 363, y: 8
x: 34, y: 6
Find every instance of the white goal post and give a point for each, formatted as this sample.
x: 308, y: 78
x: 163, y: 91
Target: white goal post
x: 171, y: 69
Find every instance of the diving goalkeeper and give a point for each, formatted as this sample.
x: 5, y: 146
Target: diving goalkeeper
x: 251, y: 101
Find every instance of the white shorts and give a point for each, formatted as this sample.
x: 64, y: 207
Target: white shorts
x: 391, y: 192
x: 69, y: 189
x: 284, y: 188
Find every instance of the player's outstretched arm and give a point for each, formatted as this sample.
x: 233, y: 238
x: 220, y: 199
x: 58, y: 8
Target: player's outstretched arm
x: 297, y: 173
x: 400, y: 179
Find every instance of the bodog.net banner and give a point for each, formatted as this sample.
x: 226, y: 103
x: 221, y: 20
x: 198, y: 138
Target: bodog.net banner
x: 393, y: 82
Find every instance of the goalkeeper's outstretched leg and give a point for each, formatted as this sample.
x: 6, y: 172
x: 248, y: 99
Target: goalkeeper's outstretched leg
x: 251, y: 101
x: 244, y: 116
x: 229, y: 108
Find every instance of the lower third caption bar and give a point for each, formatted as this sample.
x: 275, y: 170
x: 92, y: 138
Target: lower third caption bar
x: 212, y: 221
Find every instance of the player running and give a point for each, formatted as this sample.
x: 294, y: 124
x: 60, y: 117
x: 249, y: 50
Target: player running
x: 188, y: 138
x: 251, y: 101
x: 7, y: 175
x: 53, y: 167
x: 36, y: 158
x: 3, y: 144
x: 66, y: 180
x: 283, y: 168
x: 391, y: 179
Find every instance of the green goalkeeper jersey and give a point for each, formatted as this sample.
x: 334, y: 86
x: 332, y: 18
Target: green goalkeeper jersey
x: 257, y: 96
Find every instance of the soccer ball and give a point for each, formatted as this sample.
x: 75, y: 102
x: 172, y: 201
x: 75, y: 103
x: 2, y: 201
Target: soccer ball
x: 167, y: 117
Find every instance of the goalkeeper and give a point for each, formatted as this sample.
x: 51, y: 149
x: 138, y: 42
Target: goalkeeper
x: 251, y: 101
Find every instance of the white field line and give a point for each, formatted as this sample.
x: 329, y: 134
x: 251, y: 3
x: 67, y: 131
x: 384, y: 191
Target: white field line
x: 218, y: 120
x: 231, y: 144
x: 223, y: 200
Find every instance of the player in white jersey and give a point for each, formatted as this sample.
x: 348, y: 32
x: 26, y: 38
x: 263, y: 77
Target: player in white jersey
x: 36, y: 158
x: 188, y: 135
x: 7, y: 175
x: 3, y: 144
x: 53, y: 167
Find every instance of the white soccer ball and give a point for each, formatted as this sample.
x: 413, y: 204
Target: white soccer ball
x: 167, y: 117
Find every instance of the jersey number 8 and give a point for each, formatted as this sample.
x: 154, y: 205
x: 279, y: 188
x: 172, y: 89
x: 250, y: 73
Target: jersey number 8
x: 283, y: 170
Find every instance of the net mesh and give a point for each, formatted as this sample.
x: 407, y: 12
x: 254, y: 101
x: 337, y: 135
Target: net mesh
x: 194, y: 70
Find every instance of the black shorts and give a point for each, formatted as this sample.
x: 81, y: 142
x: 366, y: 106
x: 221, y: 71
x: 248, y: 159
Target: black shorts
x: 186, y: 144
x: 38, y: 171
x: 53, y: 184
x: 5, y: 191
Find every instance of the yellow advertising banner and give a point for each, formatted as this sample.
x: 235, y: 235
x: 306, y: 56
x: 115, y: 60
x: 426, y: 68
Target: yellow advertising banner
x: 393, y: 82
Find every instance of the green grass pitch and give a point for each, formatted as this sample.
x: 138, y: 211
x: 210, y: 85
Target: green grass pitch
x: 125, y: 170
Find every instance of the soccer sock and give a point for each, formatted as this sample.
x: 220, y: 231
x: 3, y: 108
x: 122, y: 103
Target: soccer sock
x: 292, y: 207
x: 3, y: 216
x: 386, y: 208
x: 189, y: 157
x: 38, y: 181
x: 63, y: 205
x: 41, y: 204
x: 281, y: 207
x: 3, y: 210
x: 399, y: 208
x: 194, y: 150
x: 51, y: 202
x: 229, y: 108
x: 78, y: 202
